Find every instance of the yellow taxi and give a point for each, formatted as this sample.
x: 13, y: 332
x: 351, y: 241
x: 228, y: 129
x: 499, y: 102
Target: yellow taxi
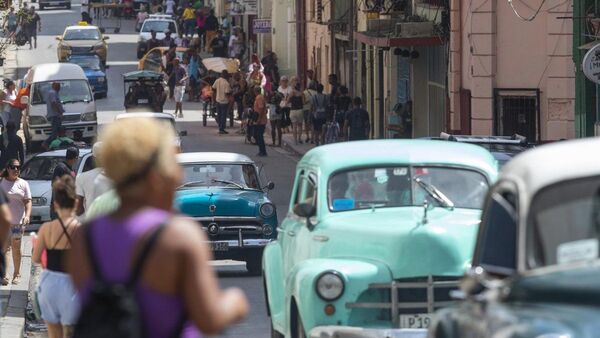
x: 82, y: 39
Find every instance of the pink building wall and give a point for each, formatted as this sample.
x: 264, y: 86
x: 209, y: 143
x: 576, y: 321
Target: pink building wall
x: 492, y: 48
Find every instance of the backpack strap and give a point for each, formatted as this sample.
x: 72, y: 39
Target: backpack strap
x: 90, y: 250
x: 141, y: 260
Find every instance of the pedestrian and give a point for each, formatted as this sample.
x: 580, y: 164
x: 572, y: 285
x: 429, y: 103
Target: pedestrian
x: 5, y: 218
x: 201, y: 28
x: 236, y: 44
x: 344, y: 101
x: 34, y: 25
x: 19, y: 202
x: 296, y: 113
x: 256, y: 77
x: 13, y: 148
x: 211, y: 25
x: 189, y: 20
x: 239, y: 88
x: 10, y: 95
x: 193, y: 70
x: 249, y: 117
x: 180, y: 75
x: 286, y: 91
x: 168, y: 41
x: 183, y: 296
x: 332, y: 130
x: 319, y: 106
x: 153, y: 42
x: 226, y: 25
x: 54, y: 112
x: 63, y: 168
x: 169, y: 7
x: 92, y: 183
x: 10, y: 24
x: 221, y: 97
x: 219, y: 45
x: 310, y: 79
x: 62, y: 141
x: 357, y: 125
x: 260, y: 108
x: 56, y: 295
x: 141, y: 17
x: 309, y: 93
x: 275, y: 117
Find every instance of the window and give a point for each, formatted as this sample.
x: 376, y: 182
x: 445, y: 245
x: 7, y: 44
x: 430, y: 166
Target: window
x: 158, y: 26
x: 70, y: 91
x: 89, y: 164
x: 563, y: 225
x: 497, y: 242
x: 82, y: 34
x: 225, y: 175
x: 517, y: 112
x: 319, y: 11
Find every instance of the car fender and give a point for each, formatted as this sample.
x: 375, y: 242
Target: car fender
x: 301, y: 284
x: 274, y: 288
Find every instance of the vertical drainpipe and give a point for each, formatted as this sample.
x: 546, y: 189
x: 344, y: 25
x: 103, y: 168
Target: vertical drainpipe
x: 352, y: 45
x: 456, y: 52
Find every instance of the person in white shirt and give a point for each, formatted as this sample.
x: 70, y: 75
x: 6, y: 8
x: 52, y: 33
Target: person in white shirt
x: 286, y: 92
x: 170, y: 4
x: 91, y: 184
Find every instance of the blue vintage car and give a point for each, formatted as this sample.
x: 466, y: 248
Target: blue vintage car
x: 535, y: 269
x: 223, y: 192
x: 94, y: 71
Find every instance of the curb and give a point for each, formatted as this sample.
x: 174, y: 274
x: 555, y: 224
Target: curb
x: 12, y: 321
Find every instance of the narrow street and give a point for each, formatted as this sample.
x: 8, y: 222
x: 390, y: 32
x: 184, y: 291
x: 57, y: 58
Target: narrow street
x: 278, y: 167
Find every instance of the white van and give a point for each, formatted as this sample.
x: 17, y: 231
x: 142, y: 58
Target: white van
x: 75, y: 94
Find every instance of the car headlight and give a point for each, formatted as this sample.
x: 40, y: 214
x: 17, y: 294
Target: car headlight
x: 267, y: 230
x: 38, y: 201
x: 101, y: 79
x: 91, y: 116
x: 330, y: 286
x: 37, y: 120
x: 64, y: 47
x: 267, y: 210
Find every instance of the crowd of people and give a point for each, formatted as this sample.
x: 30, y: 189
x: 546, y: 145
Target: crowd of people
x: 21, y: 26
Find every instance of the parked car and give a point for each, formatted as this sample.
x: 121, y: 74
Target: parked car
x: 94, y: 70
x: 535, y: 267
x: 376, y: 235
x: 223, y: 192
x: 54, y: 3
x: 82, y: 39
x: 168, y: 121
x: 158, y: 23
x: 152, y: 61
x: 38, y: 172
x: 503, y: 148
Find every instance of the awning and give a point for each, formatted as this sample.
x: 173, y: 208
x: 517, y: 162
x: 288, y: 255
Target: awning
x: 220, y: 64
x: 380, y: 41
x: 589, y: 45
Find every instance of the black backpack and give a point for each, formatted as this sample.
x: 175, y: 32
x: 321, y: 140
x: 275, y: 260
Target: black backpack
x: 113, y: 309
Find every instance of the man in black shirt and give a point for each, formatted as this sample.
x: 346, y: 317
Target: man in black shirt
x: 211, y: 25
x: 219, y: 45
x: 4, y: 233
x: 13, y: 148
x: 153, y: 41
x: 64, y: 168
x: 357, y: 125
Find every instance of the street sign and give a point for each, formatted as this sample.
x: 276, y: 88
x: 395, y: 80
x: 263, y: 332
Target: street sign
x: 591, y: 64
x: 261, y: 26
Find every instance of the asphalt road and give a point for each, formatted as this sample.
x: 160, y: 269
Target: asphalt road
x: 278, y: 166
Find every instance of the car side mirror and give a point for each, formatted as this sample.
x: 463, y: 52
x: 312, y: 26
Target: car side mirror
x: 25, y: 100
x: 105, y: 37
x: 58, y: 38
x: 183, y: 133
x: 306, y: 210
x: 270, y: 186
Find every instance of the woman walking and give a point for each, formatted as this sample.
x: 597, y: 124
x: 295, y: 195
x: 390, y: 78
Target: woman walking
x: 319, y: 106
x: 19, y: 202
x: 176, y: 281
x: 56, y: 295
x: 296, y: 114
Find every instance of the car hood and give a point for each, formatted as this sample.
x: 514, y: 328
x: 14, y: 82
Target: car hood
x: 398, y: 238
x: 81, y: 43
x: 40, y: 188
x: 227, y: 202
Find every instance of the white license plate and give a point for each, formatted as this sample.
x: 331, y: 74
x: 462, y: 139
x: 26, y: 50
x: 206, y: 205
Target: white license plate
x: 219, y: 246
x: 142, y: 100
x: 416, y: 321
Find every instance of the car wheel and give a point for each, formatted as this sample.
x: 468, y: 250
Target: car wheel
x: 68, y: 6
x: 140, y: 55
x: 42, y: 7
x: 204, y: 117
x: 299, y: 327
x: 275, y: 334
x: 254, y: 264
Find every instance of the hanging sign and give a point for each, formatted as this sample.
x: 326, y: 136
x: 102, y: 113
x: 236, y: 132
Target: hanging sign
x: 591, y: 64
x: 261, y: 26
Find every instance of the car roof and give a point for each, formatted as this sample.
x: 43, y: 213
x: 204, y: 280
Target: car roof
x: 552, y: 163
x: 337, y: 156
x: 145, y: 114
x: 57, y: 72
x: 63, y: 153
x: 213, y: 157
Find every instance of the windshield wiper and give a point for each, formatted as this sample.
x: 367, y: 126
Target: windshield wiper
x: 187, y: 184
x: 229, y: 182
x: 434, y: 192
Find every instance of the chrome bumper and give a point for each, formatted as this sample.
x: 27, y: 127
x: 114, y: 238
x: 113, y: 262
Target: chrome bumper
x: 359, y: 332
x: 41, y: 133
x: 245, y: 243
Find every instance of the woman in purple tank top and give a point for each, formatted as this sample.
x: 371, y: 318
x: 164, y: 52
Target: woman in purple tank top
x: 176, y: 281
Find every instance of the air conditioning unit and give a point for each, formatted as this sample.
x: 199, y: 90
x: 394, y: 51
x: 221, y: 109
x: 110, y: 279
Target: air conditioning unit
x: 411, y: 29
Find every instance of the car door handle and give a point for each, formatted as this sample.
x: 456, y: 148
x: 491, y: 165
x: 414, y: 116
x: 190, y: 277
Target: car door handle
x: 291, y: 233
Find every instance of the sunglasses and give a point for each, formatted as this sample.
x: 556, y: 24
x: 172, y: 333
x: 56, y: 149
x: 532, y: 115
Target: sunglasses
x: 14, y: 167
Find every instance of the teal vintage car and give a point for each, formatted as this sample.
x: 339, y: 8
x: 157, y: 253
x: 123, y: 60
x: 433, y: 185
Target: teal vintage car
x: 376, y: 235
x: 223, y: 192
x: 536, y: 265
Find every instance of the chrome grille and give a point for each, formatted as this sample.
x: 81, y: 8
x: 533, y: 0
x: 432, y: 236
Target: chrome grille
x: 81, y: 50
x: 411, y: 296
x: 232, y: 226
x: 71, y: 118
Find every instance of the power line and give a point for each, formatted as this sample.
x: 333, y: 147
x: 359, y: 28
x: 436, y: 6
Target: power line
x: 531, y: 18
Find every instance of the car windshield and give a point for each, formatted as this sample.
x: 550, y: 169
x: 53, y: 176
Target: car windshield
x: 82, y: 34
x: 231, y: 175
x: 158, y: 26
x: 70, y: 91
x: 563, y: 225
x: 41, y: 168
x: 92, y: 62
x: 406, y: 186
